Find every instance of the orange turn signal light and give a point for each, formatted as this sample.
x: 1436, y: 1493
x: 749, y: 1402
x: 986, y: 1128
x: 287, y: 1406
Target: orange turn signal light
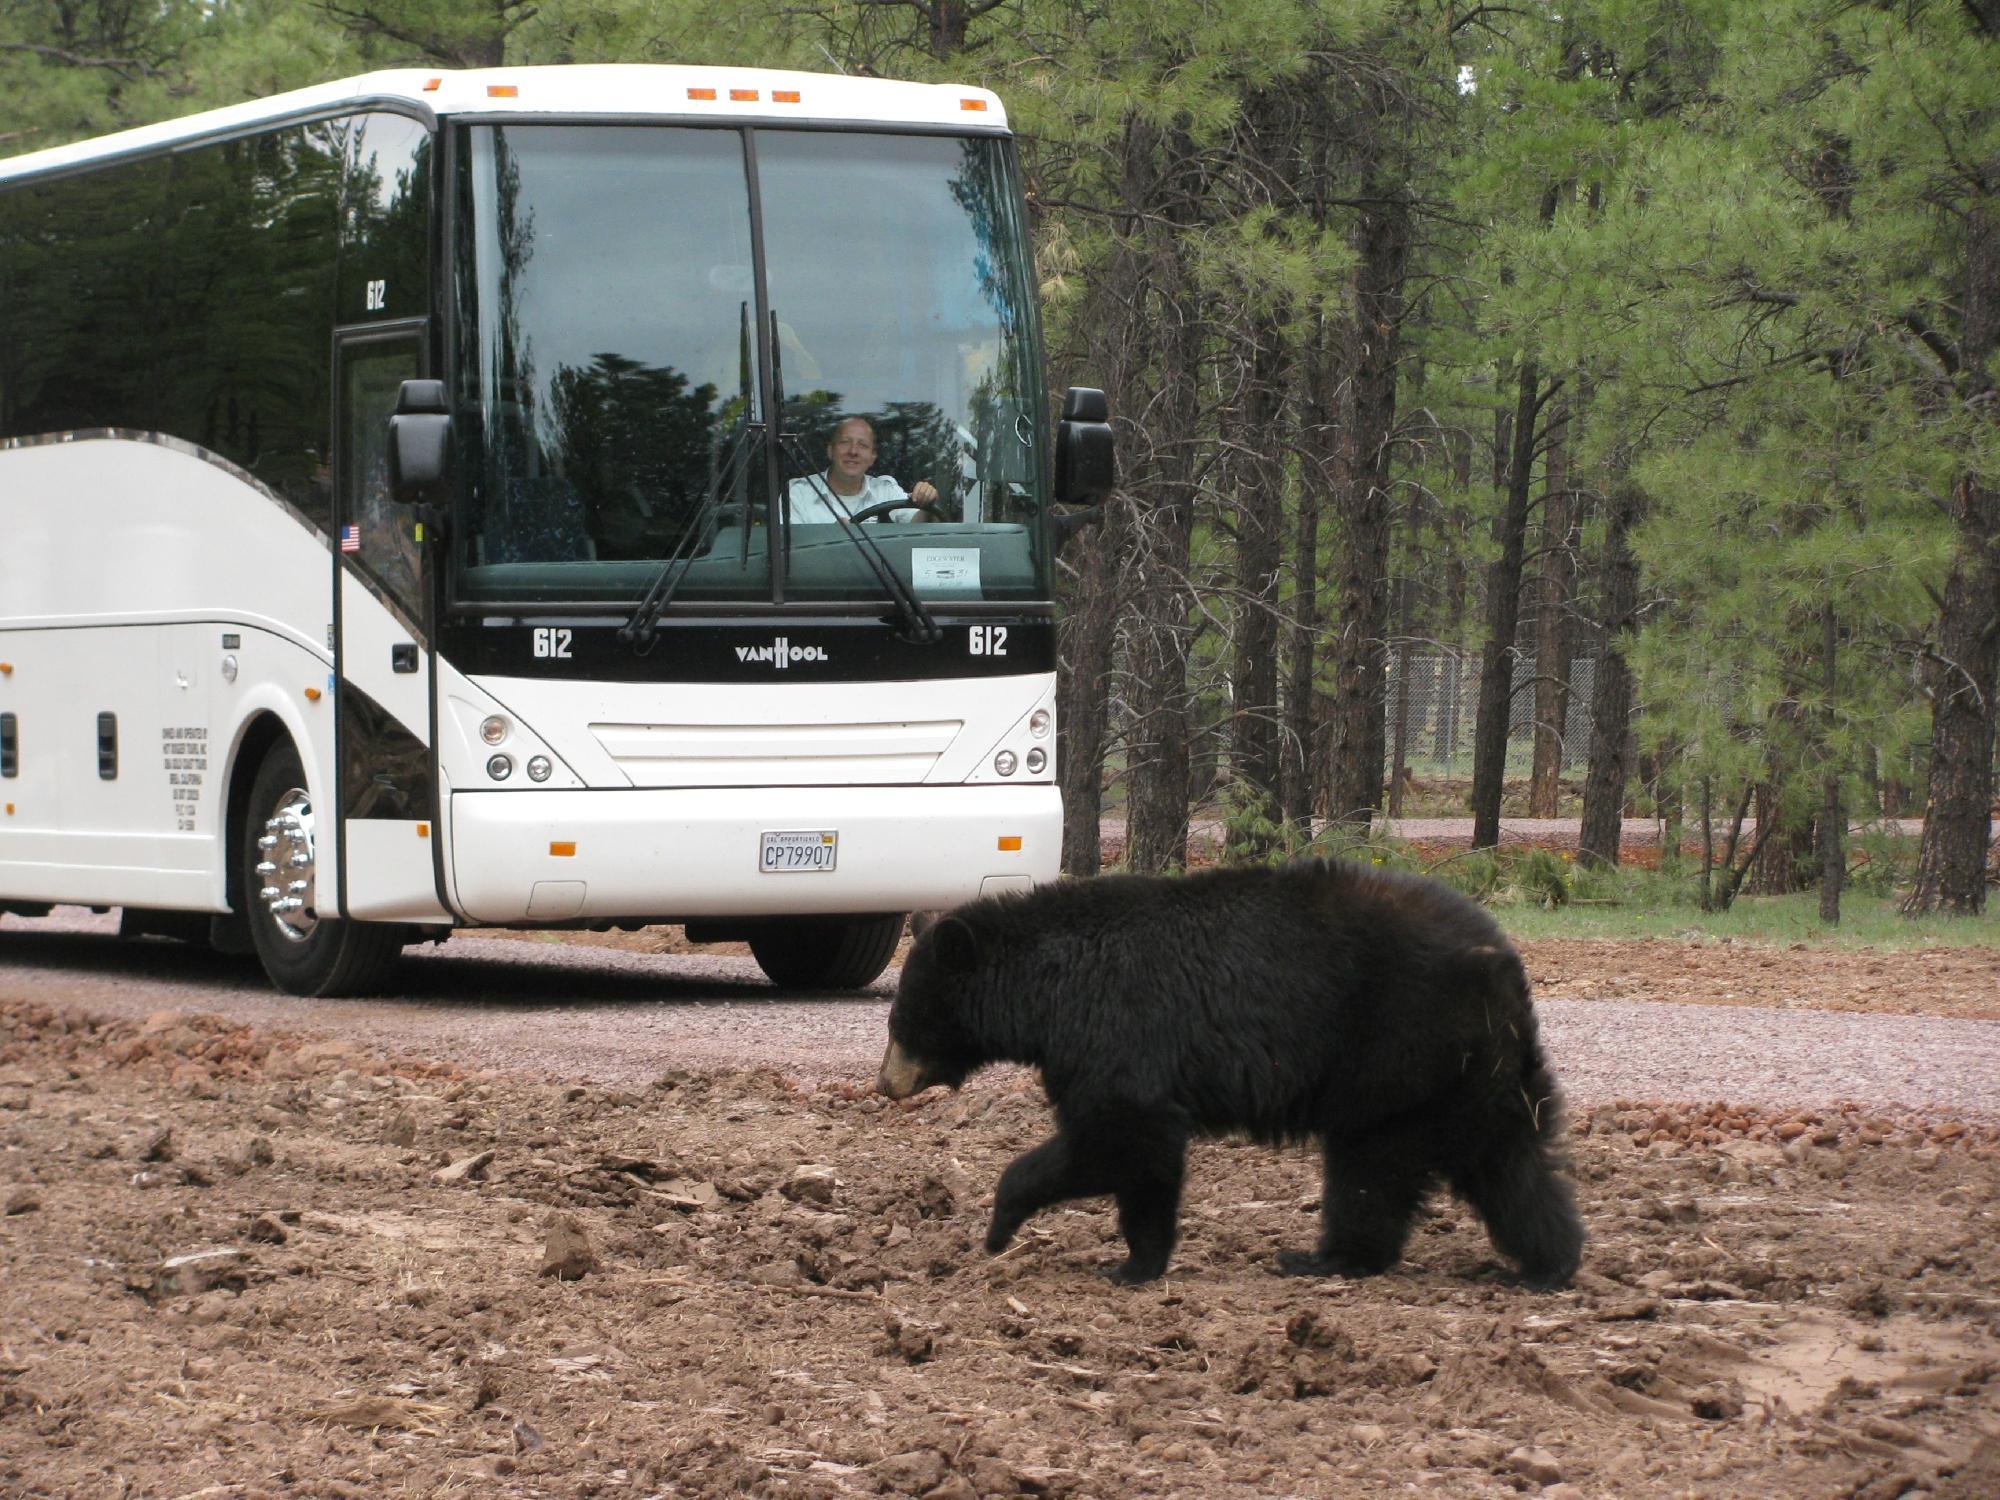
x: 977, y: 106
x: 423, y: 830
x: 1009, y: 842
x: 503, y: 91
x: 563, y: 850
x: 312, y: 695
x: 431, y: 85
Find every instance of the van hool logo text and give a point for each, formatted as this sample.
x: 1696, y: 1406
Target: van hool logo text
x: 781, y: 653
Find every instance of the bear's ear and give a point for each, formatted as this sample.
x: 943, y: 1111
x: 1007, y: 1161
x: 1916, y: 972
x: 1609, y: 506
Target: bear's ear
x: 956, y: 946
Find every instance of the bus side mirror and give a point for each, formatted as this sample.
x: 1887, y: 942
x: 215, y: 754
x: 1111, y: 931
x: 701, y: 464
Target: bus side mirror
x: 419, y: 439
x: 1086, y: 459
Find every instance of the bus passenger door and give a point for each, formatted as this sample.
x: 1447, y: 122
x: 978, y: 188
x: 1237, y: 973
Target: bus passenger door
x: 386, y: 795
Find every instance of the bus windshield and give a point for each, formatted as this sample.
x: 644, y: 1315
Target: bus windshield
x: 630, y: 398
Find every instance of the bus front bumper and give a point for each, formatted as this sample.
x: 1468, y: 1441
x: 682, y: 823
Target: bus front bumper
x: 561, y: 857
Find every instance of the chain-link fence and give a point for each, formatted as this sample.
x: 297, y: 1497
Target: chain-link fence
x: 1433, y: 705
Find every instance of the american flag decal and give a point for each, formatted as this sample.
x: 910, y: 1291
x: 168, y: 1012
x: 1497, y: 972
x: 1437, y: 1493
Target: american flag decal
x: 350, y: 539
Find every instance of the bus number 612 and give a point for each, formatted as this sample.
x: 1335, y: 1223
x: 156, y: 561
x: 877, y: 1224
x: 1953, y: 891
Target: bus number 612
x: 552, y: 641
x: 989, y: 640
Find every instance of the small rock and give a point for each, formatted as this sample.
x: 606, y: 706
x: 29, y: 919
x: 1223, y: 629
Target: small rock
x: 466, y: 1169
x: 993, y: 1476
x: 914, y: 1341
x: 159, y: 1146
x: 1718, y: 1401
x: 954, y: 1487
x: 688, y: 1195
x: 913, y: 1473
x: 1535, y: 1464
x: 23, y: 1201
x: 810, y: 1185
x: 257, y: 1152
x: 266, y: 1229
x: 401, y: 1131
x: 568, y: 1255
x: 201, y: 1271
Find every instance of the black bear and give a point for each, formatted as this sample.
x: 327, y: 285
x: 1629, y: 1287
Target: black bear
x: 1384, y: 1015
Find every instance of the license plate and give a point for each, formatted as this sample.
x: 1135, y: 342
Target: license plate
x: 808, y: 853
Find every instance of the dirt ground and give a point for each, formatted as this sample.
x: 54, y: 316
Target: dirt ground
x: 239, y: 1263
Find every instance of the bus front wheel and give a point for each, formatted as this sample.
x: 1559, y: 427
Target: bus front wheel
x: 826, y: 953
x: 283, y: 843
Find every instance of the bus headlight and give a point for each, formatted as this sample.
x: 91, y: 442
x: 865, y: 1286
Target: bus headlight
x: 500, y: 767
x: 1037, y: 758
x: 539, y: 768
x: 1005, y: 762
x: 1038, y: 726
x: 493, y: 730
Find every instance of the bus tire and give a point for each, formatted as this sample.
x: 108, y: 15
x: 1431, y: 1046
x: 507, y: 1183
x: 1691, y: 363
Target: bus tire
x: 303, y: 952
x: 826, y: 953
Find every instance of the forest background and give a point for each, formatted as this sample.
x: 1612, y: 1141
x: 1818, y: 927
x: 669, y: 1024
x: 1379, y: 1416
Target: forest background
x: 1659, y: 333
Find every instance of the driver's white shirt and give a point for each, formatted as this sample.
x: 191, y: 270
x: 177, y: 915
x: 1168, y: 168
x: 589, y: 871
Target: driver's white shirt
x: 806, y: 499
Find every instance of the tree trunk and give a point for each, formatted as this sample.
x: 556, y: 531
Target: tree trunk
x: 1259, y: 514
x: 1296, y: 758
x: 1158, y: 169
x: 1832, y: 816
x: 1555, y: 629
x: 1356, y: 747
x: 1962, y: 678
x: 1964, y: 672
x: 1088, y: 629
x: 1503, y: 608
x: 1611, y: 694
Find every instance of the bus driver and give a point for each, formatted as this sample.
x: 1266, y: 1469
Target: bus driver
x: 850, y: 453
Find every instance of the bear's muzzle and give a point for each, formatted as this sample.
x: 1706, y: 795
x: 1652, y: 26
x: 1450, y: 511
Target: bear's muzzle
x: 901, y: 1076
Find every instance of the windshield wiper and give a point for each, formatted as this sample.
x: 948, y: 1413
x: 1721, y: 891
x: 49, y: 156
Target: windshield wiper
x: 641, y: 632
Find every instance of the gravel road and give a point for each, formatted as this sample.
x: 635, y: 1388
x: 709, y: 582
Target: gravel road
x: 621, y: 1018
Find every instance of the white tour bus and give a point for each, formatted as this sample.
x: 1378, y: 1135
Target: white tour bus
x: 419, y: 509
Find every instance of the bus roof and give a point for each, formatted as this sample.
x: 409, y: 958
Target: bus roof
x: 633, y: 91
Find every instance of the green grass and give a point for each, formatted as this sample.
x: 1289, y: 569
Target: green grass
x: 1865, y: 921
x: 1539, y: 893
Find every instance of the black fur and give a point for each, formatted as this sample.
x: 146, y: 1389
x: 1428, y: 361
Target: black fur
x: 1383, y: 1015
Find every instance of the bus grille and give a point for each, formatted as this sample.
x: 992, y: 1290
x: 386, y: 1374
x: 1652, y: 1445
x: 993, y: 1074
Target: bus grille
x: 662, y: 755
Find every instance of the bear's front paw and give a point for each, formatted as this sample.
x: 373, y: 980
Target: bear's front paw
x: 1130, y: 1273
x: 1313, y: 1263
x: 999, y: 1235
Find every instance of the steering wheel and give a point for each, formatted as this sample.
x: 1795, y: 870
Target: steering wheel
x: 883, y: 508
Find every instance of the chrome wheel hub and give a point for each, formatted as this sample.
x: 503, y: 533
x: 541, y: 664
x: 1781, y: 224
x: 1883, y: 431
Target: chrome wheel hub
x: 286, y: 868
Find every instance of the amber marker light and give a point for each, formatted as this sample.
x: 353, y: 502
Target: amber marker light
x: 784, y: 96
x: 503, y: 91
x: 976, y: 106
x: 563, y: 851
x: 432, y: 85
x: 1010, y: 843
x: 701, y: 93
x: 10, y: 809
x: 6, y: 669
x: 743, y: 96
x: 312, y: 695
x: 423, y: 830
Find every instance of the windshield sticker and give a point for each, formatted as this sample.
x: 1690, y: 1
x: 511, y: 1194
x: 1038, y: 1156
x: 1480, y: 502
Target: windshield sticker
x: 944, y: 567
